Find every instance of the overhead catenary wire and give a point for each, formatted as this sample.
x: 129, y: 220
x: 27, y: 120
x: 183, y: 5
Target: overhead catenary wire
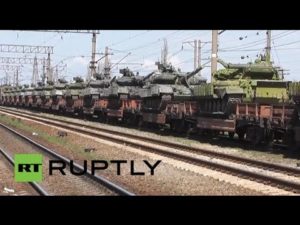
x: 258, y: 42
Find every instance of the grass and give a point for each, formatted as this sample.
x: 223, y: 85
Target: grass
x: 62, y: 142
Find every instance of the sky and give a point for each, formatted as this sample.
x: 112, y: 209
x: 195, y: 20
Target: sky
x: 140, y: 49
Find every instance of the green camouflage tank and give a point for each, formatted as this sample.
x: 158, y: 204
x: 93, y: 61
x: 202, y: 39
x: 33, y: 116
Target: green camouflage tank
x: 252, y: 82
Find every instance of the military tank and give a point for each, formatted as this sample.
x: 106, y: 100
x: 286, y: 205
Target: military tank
x: 28, y: 95
x: 15, y: 96
x: 257, y: 82
x: 18, y: 96
x: 10, y: 95
x: 7, y: 95
x: 163, y: 94
x: 2, y: 94
x: 249, y: 99
x: 95, y: 89
x: 36, y: 95
x: 294, y: 93
x: 46, y: 96
x: 58, y: 96
x: 74, y: 96
x: 22, y: 96
x: 123, y: 97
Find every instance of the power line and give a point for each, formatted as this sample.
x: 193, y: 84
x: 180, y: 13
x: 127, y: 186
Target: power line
x: 130, y: 38
x: 258, y: 42
x: 156, y: 52
x: 151, y: 43
x: 274, y: 47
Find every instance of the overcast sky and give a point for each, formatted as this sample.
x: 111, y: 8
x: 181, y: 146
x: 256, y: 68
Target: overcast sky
x: 145, y: 46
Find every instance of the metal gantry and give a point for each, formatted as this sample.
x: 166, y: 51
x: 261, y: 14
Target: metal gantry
x: 16, y: 69
x: 20, y: 60
x: 26, y: 49
x: 94, y: 37
x: 9, y: 67
x: 13, y: 63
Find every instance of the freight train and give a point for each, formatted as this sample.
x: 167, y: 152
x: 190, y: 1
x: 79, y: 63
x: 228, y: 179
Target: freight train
x: 251, y: 101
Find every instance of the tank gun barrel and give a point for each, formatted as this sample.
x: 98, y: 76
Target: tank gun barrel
x: 197, y: 70
x: 112, y: 80
x: 148, y: 76
x: 222, y: 63
x: 194, y: 72
x: 232, y: 66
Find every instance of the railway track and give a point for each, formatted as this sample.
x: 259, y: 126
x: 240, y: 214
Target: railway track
x: 163, y: 148
x: 95, y: 178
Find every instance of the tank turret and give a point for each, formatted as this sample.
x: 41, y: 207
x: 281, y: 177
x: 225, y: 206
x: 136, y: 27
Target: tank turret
x: 128, y: 84
x: 59, y: 89
x: 62, y: 81
x: 101, y: 81
x: 167, y: 80
x: 260, y: 69
x: 76, y: 89
x: 129, y: 78
x: 78, y: 80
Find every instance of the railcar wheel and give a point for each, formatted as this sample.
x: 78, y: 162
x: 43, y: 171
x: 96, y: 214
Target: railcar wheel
x: 140, y: 123
x: 254, y: 135
x: 231, y: 135
x: 241, y: 135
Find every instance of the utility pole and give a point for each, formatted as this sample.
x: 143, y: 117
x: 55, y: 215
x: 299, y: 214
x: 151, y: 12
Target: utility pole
x: 199, y: 53
x: 93, y: 61
x: 164, y: 53
x: 194, y: 44
x: 55, y: 78
x: 105, y: 68
x: 17, y: 78
x: 7, y: 79
x: 35, y: 72
x: 195, y: 54
x: 44, y: 72
x: 268, y: 48
x: 14, y: 79
x: 49, y: 71
x: 199, y: 56
x: 197, y: 45
x: 106, y: 63
x: 92, y: 65
x: 214, y: 52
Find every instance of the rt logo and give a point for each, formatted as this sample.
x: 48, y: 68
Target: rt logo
x: 28, y: 167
